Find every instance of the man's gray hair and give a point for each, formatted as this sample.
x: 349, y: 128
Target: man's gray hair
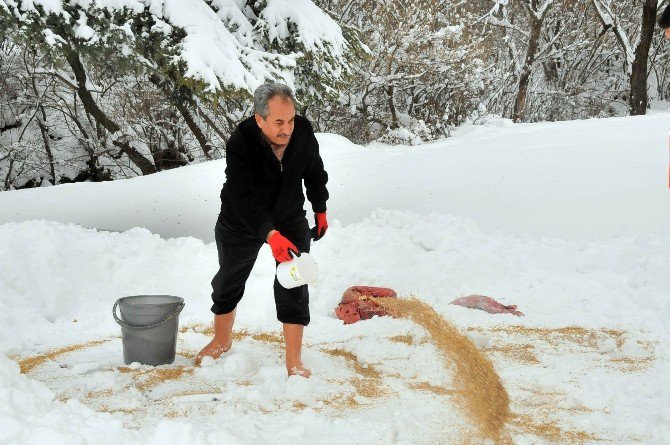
x: 267, y: 91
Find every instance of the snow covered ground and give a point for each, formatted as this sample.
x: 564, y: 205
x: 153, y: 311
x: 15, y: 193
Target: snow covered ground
x: 567, y: 220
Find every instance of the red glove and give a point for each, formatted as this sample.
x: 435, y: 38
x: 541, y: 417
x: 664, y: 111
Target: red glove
x: 321, y: 226
x: 281, y: 247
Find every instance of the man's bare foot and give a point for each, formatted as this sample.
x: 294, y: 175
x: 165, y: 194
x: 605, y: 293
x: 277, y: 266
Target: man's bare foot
x: 293, y: 339
x: 223, y: 337
x: 214, y: 349
x: 300, y: 370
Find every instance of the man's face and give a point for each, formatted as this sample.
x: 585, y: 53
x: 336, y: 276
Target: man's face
x: 278, y: 125
x: 666, y: 32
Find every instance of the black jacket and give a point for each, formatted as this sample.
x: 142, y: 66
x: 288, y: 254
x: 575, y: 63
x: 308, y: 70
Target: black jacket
x: 261, y: 193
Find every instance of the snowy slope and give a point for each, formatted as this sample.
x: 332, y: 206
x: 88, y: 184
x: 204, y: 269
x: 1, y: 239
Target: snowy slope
x: 595, y: 178
x: 567, y: 220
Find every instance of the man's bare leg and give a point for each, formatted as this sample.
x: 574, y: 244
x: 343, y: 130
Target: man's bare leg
x: 293, y: 339
x: 223, y: 337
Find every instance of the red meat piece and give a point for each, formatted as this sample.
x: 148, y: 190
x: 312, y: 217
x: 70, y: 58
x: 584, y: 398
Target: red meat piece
x: 356, y: 304
x: 348, y: 312
x: 487, y: 304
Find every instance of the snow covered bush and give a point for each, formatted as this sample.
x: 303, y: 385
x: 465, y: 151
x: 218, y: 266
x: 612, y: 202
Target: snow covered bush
x: 410, y: 132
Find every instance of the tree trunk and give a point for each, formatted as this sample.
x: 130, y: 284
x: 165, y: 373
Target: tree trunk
x: 47, y: 144
x: 639, y: 70
x: 44, y: 130
x: 13, y: 125
x: 526, y: 71
x: 72, y: 57
x: 9, y: 173
x: 185, y: 113
x: 552, y: 65
x: 392, y: 110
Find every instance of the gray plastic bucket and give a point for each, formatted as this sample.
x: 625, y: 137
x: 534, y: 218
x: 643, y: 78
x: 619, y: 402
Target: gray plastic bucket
x: 149, y: 326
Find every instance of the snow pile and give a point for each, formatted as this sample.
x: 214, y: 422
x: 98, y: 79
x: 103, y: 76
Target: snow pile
x: 81, y: 273
x: 29, y: 414
x: 589, y: 357
x: 568, y: 180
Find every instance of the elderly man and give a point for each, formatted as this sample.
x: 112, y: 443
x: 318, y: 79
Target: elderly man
x: 267, y: 158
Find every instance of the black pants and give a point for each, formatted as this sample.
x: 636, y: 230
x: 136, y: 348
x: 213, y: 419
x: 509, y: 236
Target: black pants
x: 238, y: 251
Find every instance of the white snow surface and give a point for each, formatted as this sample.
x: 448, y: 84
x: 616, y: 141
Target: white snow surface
x: 577, y: 180
x: 567, y: 220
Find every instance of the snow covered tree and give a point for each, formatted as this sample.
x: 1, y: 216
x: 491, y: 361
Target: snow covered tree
x: 424, y: 73
x: 148, y: 80
x: 522, y: 24
x: 620, y: 18
x: 96, y: 90
x: 537, y: 12
x: 659, y: 63
x: 575, y: 68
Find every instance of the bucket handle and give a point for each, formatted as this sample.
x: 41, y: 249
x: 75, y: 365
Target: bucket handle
x: 144, y: 326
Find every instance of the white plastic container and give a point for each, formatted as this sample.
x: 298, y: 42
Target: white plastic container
x: 299, y: 271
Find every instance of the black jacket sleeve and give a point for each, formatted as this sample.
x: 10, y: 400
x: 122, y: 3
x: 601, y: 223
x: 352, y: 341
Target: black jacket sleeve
x: 316, y: 177
x: 243, y: 195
